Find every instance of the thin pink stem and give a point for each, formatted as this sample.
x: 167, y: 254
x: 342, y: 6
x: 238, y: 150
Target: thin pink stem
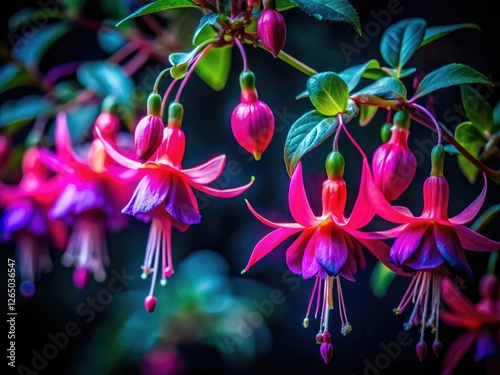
x: 431, y: 117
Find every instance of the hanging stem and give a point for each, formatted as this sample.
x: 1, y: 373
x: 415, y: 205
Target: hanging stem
x: 431, y: 117
x: 243, y: 54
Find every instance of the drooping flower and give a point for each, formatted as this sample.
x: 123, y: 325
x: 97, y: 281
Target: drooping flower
x: 329, y: 246
x: 481, y: 322
x: 431, y: 246
x: 252, y: 121
x: 393, y: 164
x: 26, y: 219
x: 165, y: 197
x: 95, y: 189
x: 149, y: 131
x: 271, y: 28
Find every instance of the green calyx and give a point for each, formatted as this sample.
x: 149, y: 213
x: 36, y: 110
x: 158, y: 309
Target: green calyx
x: 175, y: 114
x: 154, y: 104
x: 437, y: 160
x: 247, y: 80
x: 335, y: 165
x: 385, y: 132
x: 402, y: 119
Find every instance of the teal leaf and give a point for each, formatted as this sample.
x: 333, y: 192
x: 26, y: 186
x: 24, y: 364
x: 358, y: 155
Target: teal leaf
x: 401, y: 40
x: 388, y: 91
x: 449, y: 75
x: 11, y: 76
x: 214, y: 67
x: 495, y: 127
x: 451, y: 149
x: 30, y: 50
x: 381, y: 279
x: 471, y: 137
x: 328, y: 93
x: 24, y: 110
x: 205, y: 29
x: 331, y: 10
x: 180, y: 63
x: 405, y: 72
x: 352, y: 75
x: 282, y: 5
x: 110, y: 40
x: 159, y: 6
x: 81, y: 120
x: 436, y: 32
x: 366, y: 114
x: 477, y: 109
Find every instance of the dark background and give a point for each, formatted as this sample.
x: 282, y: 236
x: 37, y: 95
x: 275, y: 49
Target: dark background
x: 231, y: 230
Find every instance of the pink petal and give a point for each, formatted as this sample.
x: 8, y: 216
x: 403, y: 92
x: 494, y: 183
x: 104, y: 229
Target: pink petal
x: 268, y: 243
x: 115, y: 155
x: 363, y: 211
x: 454, y: 298
x: 208, y: 172
x: 310, y: 265
x: 271, y: 223
x: 8, y: 194
x: 225, y: 193
x: 331, y: 248
x: 299, y: 206
x: 472, y: 210
x: 63, y: 140
x: 471, y: 240
x: 456, y: 351
x: 295, y: 252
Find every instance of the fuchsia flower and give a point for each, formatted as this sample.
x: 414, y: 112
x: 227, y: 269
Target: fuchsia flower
x: 165, y: 197
x: 149, y: 131
x: 482, y: 322
x: 26, y: 219
x: 431, y: 246
x: 94, y: 191
x: 328, y: 246
x: 252, y: 121
x: 271, y: 28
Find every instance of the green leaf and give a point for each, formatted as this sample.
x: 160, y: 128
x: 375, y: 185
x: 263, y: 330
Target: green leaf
x: 401, y: 40
x: 106, y: 79
x: 328, y: 93
x: 26, y: 16
x: 476, y: 108
x: 30, y: 49
x: 22, y: 111
x: 11, y: 76
x: 436, y: 32
x: 180, y: 62
x: 282, y: 5
x: 366, y: 114
x: 331, y: 10
x: 205, y: 29
x: 472, y: 139
x: 495, y: 127
x: 380, y: 279
x: 309, y: 131
x: 399, y: 74
x: 452, y: 150
x: 159, y: 6
x: 353, y: 74
x: 449, y: 75
x: 110, y: 40
x: 388, y: 91
x: 214, y: 67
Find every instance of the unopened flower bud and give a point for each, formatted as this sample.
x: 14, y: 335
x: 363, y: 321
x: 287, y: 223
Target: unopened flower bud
x: 150, y: 303
x: 335, y: 165
x: 437, y: 347
x: 327, y: 337
x: 108, y: 124
x: 271, y: 28
x: 252, y: 121
x: 148, y: 136
x: 385, y: 132
x: 437, y: 160
x: 421, y: 349
x: 326, y: 350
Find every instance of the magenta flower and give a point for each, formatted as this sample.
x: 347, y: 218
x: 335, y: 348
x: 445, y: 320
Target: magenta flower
x: 271, y: 28
x: 94, y: 191
x: 26, y: 219
x: 165, y: 197
x: 328, y: 246
x: 431, y: 246
x: 481, y: 322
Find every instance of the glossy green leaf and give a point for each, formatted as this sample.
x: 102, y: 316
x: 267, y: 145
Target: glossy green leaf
x: 401, y: 40
x: 436, y: 32
x: 366, y: 114
x: 452, y: 150
x: 24, y: 110
x: 180, y: 63
x: 471, y: 137
x: 381, y: 279
x: 328, y: 93
x: 11, y: 76
x: 205, y: 29
x: 449, y: 75
x: 110, y: 40
x: 399, y: 74
x: 385, y: 92
x: 214, y: 67
x: 282, y: 5
x: 331, y: 10
x: 30, y: 49
x: 106, y: 79
x: 495, y: 127
x: 477, y: 109
x: 159, y: 6
x: 353, y: 74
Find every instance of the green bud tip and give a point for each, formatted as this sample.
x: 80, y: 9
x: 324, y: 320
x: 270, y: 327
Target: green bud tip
x: 335, y: 165
x: 402, y: 119
x: 437, y: 160
x: 385, y: 132
x: 154, y: 104
x: 247, y: 80
x: 175, y: 114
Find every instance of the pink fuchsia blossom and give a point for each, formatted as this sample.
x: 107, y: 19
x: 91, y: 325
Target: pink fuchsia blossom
x: 26, y: 219
x: 271, y: 28
x: 329, y: 246
x: 481, y: 321
x: 94, y: 192
x: 165, y: 197
x: 431, y: 246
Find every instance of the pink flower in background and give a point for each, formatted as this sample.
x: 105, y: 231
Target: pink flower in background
x: 94, y: 191
x: 26, y: 219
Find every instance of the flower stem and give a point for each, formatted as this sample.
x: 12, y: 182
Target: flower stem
x: 431, y: 117
x: 243, y: 54
x: 292, y: 61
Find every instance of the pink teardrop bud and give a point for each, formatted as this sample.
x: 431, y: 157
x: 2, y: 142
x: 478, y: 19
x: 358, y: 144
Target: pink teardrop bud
x: 150, y: 303
x: 437, y: 348
x: 326, y: 350
x: 81, y: 276
x: 148, y: 137
x: 421, y: 349
x: 271, y: 28
x: 108, y: 124
x: 327, y: 337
